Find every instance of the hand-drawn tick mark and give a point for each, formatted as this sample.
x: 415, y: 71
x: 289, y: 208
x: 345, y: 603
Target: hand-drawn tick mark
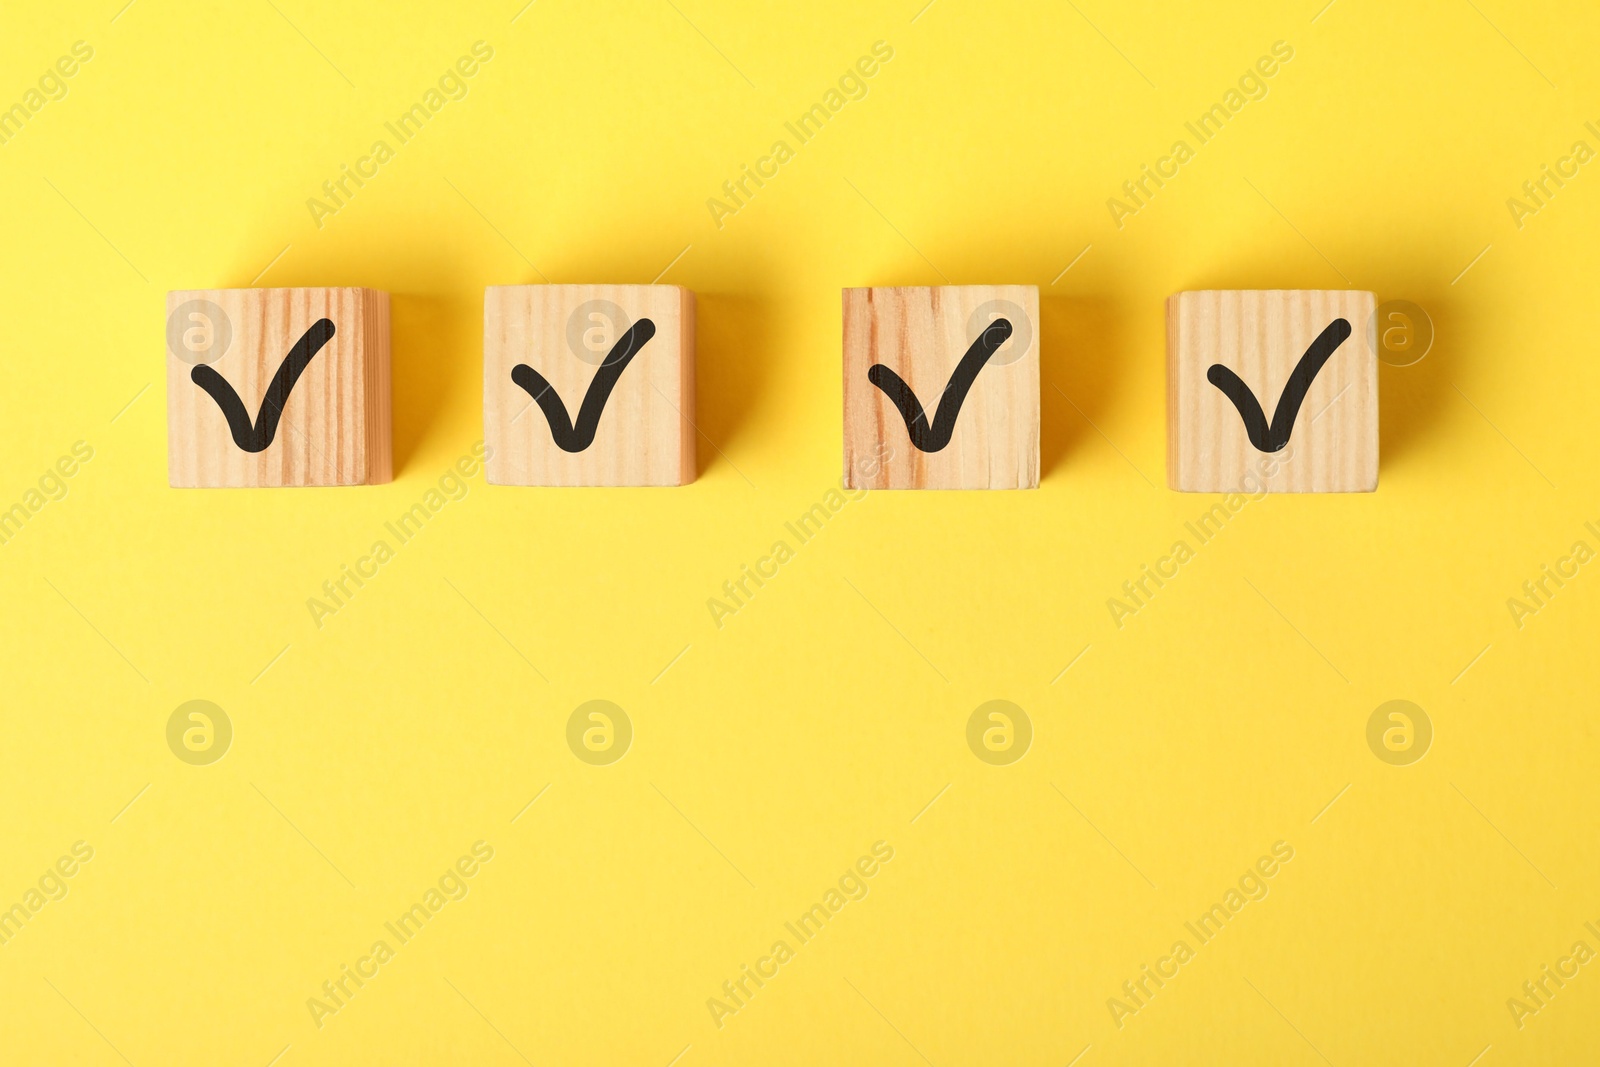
x: 575, y: 437
x: 1273, y: 438
x: 926, y: 438
x: 258, y: 437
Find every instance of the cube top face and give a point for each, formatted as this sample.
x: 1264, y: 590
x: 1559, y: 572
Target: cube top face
x: 944, y: 352
x: 1272, y: 389
x: 589, y: 385
x: 278, y: 387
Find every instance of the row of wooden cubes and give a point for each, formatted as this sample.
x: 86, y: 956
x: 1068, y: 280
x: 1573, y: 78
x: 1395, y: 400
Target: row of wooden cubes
x: 1270, y: 390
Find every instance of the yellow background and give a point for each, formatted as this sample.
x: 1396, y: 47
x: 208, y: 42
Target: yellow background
x: 371, y: 753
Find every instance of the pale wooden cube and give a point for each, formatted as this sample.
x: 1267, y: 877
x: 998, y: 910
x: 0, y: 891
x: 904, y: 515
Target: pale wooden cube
x: 589, y: 385
x: 941, y: 387
x: 278, y: 387
x: 1301, y: 366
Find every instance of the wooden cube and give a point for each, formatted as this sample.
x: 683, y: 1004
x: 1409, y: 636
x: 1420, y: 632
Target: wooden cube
x: 1272, y: 389
x: 941, y: 387
x: 589, y: 384
x: 273, y: 387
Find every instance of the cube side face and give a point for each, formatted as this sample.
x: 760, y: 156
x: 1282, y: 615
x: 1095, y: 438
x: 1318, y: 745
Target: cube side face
x: 645, y: 433
x: 922, y: 333
x: 334, y: 426
x: 379, y: 383
x: 1174, y: 303
x: 1262, y: 336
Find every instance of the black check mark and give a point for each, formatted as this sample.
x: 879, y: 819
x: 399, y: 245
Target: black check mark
x: 575, y: 437
x: 926, y: 438
x: 257, y: 437
x: 1273, y: 438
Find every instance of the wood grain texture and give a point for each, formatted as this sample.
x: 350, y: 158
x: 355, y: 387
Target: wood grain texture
x: 646, y: 432
x: 1261, y: 336
x: 922, y: 333
x: 335, y: 426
